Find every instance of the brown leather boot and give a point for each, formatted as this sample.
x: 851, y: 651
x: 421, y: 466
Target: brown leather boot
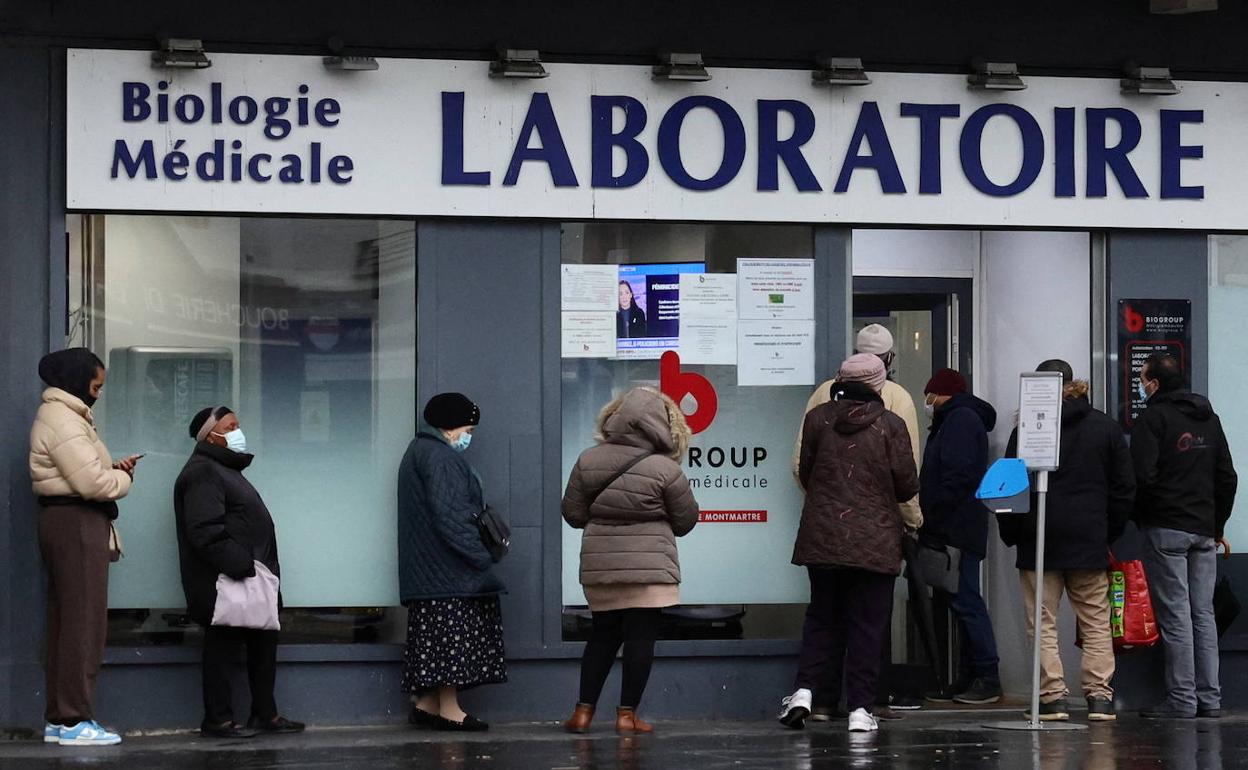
x: 627, y: 721
x: 581, y: 718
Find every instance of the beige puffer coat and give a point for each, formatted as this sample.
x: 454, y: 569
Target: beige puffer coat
x: 631, y: 528
x: 67, y: 457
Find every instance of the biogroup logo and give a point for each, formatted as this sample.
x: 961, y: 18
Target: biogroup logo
x: 677, y: 384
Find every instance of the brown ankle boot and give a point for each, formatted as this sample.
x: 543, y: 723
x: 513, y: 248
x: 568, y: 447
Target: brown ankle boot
x: 581, y: 718
x: 627, y: 721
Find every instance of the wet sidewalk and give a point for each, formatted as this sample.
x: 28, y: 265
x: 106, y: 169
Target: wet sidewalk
x: 922, y: 740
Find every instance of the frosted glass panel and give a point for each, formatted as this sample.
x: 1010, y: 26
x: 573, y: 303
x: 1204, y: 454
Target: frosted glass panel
x: 306, y: 328
x: 1228, y: 354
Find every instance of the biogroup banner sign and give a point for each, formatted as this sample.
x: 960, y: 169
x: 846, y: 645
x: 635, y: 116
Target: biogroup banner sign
x: 281, y: 134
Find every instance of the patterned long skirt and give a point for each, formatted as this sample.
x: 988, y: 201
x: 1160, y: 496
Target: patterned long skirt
x: 453, y: 642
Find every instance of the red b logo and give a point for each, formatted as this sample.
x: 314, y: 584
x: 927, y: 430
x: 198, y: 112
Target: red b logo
x: 1132, y: 320
x: 677, y: 384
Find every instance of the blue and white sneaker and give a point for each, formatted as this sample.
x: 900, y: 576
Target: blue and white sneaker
x: 52, y: 733
x: 88, y: 734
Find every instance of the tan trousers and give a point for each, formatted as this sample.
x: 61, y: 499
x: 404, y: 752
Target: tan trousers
x: 1089, y: 597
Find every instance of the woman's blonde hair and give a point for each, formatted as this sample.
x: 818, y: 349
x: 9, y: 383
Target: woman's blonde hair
x: 1076, y: 389
x: 676, y: 422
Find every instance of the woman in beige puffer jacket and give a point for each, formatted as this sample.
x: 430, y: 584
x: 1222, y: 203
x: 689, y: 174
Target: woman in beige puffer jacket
x: 632, y: 499
x: 78, y: 485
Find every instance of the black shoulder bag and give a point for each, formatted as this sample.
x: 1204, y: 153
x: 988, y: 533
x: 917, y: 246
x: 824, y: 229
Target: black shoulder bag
x: 495, y: 533
x: 615, y: 477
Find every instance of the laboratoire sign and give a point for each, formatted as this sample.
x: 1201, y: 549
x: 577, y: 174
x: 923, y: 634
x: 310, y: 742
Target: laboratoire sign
x: 281, y: 134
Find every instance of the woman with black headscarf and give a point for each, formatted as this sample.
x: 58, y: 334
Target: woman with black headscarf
x: 78, y: 485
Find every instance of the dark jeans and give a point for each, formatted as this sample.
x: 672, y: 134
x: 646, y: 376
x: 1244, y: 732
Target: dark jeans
x: 221, y: 648
x: 636, y: 630
x: 979, y: 644
x: 846, y: 622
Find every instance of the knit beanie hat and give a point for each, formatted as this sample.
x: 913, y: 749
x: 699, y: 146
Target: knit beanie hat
x: 874, y: 339
x: 866, y: 368
x: 946, y: 382
x: 449, y: 411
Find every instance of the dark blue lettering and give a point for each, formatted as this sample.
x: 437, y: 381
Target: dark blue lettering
x: 870, y: 127
x: 1100, y: 156
x: 340, y: 168
x: 131, y: 164
x: 134, y: 106
x: 772, y: 151
x: 292, y: 172
x: 1064, y: 152
x: 326, y: 109
x: 176, y: 162
x: 540, y: 120
x: 210, y: 166
x: 929, y: 116
x: 314, y: 164
x: 453, y: 143
x: 970, y: 148
x: 253, y: 167
x: 669, y: 143
x: 189, y: 108
x: 1173, y: 151
x: 604, y: 140
x: 276, y: 126
x: 243, y: 110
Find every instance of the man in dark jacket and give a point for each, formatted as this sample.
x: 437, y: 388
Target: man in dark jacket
x: 1186, y: 491
x: 1089, y: 502
x: 224, y: 528
x: 954, y: 462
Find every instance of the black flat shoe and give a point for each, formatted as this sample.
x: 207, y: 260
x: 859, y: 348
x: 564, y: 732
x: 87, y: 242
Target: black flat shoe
x: 470, y: 724
x: 229, y: 730
x: 421, y: 718
x: 275, y: 726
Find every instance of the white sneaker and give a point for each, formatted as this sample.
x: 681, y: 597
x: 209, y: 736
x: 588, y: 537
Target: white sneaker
x: 88, y: 734
x: 795, y: 708
x: 861, y: 721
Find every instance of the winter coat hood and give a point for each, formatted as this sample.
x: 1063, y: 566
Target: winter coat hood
x: 857, y: 407
x: 1191, y: 405
x: 987, y: 414
x: 646, y: 419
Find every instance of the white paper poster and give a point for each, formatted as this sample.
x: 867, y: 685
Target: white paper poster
x: 588, y: 335
x: 708, y: 341
x: 708, y: 295
x: 589, y: 288
x: 775, y: 352
x: 776, y: 289
x: 1040, y: 420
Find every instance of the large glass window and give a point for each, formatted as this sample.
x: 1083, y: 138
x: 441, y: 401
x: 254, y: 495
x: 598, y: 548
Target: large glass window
x: 1228, y: 352
x: 738, y: 582
x: 306, y: 328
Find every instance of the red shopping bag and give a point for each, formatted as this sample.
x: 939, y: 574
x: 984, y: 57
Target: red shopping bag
x: 1131, y: 608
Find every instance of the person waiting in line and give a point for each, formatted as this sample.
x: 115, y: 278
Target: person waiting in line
x: 856, y: 466
x: 446, y: 577
x: 632, y: 499
x: 1186, y: 490
x: 953, y: 465
x: 1089, y: 502
x: 224, y: 528
x: 630, y: 319
x: 78, y: 485
x: 875, y: 340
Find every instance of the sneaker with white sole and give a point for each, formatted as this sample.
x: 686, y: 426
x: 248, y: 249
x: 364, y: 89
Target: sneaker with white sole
x: 795, y: 708
x: 52, y: 733
x: 88, y: 734
x: 861, y: 721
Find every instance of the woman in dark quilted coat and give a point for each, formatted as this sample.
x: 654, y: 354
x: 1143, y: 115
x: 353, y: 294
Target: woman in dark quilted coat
x: 856, y: 465
x: 454, y: 625
x: 632, y: 499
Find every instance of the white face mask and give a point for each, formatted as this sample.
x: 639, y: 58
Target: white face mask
x: 930, y: 408
x: 235, y: 441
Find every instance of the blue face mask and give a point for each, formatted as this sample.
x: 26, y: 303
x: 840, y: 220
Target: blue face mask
x: 461, y: 443
x: 235, y: 441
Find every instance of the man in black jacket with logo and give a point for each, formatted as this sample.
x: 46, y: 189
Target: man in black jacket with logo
x: 1186, y: 491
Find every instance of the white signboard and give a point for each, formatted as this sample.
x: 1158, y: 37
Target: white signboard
x: 775, y: 353
x: 708, y: 295
x: 590, y: 287
x: 588, y: 335
x: 1040, y: 420
x: 776, y: 289
x: 708, y: 341
x: 259, y: 133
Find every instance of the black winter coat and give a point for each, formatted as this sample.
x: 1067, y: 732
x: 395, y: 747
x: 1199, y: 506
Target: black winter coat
x: 440, y: 550
x: 1090, y: 495
x: 954, y: 463
x: 223, y: 526
x: 1182, y: 466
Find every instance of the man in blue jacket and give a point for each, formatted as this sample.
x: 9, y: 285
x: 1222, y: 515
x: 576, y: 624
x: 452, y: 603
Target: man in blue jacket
x: 954, y: 462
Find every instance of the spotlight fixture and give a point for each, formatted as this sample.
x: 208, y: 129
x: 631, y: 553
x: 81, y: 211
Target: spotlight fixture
x: 839, y: 71
x: 181, y: 53
x: 517, y: 63
x: 350, y: 63
x: 681, y: 66
x: 1148, y: 81
x: 995, y: 76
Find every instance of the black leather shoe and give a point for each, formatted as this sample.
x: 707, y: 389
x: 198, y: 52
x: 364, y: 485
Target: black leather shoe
x: 886, y: 714
x: 422, y: 718
x: 275, y: 726
x: 1203, y: 713
x: 980, y: 692
x: 1167, y: 711
x: 229, y: 730
x: 470, y: 725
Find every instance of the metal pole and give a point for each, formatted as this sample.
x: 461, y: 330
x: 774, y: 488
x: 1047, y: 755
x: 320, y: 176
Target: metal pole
x: 1042, y: 489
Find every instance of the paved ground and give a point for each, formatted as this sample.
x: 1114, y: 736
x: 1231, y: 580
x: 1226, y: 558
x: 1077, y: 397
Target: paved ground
x: 923, y: 740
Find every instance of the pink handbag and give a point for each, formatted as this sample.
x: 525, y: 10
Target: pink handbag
x: 248, y: 603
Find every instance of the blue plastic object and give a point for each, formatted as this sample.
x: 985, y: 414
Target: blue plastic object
x: 1006, y: 487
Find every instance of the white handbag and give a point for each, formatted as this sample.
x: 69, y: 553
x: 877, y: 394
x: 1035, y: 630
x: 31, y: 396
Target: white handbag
x: 248, y: 603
